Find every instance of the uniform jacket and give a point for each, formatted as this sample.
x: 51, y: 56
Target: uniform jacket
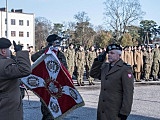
x: 80, y: 58
x: 10, y: 95
x: 138, y: 61
x: 117, y: 87
x: 148, y: 58
x: 128, y: 57
x: 156, y: 55
x: 70, y: 56
x: 91, y: 55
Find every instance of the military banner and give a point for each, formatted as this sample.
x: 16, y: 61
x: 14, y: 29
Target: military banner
x: 52, y: 83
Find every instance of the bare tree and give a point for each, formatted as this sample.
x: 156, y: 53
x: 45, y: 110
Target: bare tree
x: 84, y: 31
x: 121, y: 13
x: 42, y: 30
x: 81, y: 17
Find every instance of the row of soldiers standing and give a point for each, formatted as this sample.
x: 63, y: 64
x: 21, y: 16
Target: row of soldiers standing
x: 78, y: 61
x: 144, y: 60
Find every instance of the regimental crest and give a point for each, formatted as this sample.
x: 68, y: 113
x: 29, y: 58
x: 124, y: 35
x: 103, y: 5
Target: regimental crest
x: 53, y: 66
x: 73, y: 93
x: 54, y: 107
x: 54, y: 88
x: 33, y: 81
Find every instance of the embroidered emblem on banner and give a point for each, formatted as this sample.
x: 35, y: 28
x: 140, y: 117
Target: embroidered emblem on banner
x: 33, y: 81
x: 53, y: 66
x: 54, y: 107
x: 54, y: 88
x: 73, y: 93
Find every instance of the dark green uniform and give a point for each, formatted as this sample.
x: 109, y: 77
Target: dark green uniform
x: 46, y: 114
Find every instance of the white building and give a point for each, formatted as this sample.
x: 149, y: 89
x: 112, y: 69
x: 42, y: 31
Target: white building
x: 20, y: 27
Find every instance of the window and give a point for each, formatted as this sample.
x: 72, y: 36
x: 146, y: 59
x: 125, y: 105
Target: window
x: 20, y: 22
x: 5, y: 21
x: 27, y: 22
x: 13, y: 22
x: 6, y: 33
x: 13, y: 33
x: 27, y: 34
x: 20, y: 34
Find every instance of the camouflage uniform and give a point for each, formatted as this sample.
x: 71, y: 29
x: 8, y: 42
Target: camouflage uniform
x: 156, y: 60
x: 148, y: 59
x: 80, y: 60
x: 70, y: 56
x: 46, y: 113
x: 91, y: 55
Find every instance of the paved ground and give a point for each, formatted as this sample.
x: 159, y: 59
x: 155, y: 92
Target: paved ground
x: 146, y: 104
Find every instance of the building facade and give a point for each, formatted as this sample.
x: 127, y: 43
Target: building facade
x: 19, y: 27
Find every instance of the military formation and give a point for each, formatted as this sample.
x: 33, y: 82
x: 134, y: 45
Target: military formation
x: 144, y: 61
x: 78, y: 61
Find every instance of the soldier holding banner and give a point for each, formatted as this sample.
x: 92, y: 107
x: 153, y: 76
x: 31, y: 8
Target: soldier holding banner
x: 52, y: 40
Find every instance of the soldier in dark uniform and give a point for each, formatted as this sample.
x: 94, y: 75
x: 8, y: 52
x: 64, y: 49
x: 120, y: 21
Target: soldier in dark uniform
x: 10, y: 71
x: 117, y: 85
x: 52, y: 40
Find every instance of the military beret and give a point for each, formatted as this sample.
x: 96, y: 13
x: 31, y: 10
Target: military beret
x: 5, y: 43
x: 52, y: 38
x: 113, y: 47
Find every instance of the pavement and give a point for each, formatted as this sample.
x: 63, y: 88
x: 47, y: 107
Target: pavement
x: 146, y: 102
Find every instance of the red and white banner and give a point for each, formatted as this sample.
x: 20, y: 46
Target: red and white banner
x: 52, y: 83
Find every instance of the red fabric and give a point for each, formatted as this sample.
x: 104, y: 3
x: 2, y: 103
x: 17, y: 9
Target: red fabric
x: 64, y: 79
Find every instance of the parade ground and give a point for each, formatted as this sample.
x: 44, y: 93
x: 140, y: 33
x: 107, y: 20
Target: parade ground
x: 146, y: 103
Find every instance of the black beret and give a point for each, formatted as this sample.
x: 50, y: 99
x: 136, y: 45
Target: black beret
x: 114, y: 47
x: 5, y: 43
x: 53, y: 37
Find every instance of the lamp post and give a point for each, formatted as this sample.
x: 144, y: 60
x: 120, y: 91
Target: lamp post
x: 6, y: 19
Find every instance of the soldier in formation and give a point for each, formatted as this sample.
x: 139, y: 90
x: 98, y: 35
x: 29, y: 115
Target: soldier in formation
x: 156, y: 60
x: 80, y: 62
x: 138, y: 63
x: 70, y: 56
x: 91, y: 55
x: 148, y: 59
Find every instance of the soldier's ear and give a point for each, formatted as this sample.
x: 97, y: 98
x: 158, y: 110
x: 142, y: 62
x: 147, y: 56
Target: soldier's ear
x: 3, y: 51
